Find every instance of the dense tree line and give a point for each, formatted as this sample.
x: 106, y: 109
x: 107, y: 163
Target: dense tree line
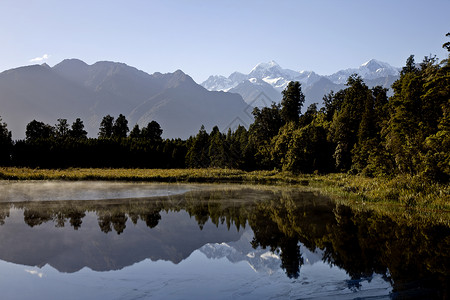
x: 358, y: 129
x: 63, y: 146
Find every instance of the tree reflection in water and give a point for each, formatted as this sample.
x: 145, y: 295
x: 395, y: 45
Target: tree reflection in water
x: 410, y: 255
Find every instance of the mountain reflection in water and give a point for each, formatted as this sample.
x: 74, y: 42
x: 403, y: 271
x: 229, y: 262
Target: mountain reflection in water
x: 266, y: 227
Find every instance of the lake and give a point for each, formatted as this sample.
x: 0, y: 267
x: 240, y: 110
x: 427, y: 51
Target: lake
x: 110, y: 240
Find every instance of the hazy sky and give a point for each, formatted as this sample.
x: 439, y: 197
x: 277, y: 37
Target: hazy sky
x: 218, y: 37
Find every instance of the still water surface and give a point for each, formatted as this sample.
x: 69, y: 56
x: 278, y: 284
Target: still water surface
x: 103, y: 240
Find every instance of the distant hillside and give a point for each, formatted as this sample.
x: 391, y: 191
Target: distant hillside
x: 74, y: 89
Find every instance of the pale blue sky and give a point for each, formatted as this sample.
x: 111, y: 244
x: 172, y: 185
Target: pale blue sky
x: 218, y: 37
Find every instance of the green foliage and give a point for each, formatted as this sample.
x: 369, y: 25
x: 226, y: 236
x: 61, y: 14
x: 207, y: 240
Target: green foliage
x: 217, y: 149
x: 304, y: 149
x: 77, y: 131
x: 120, y: 127
x: 38, y: 130
x: 237, y: 149
x: 268, y: 122
x: 152, y: 132
x: 62, y: 128
x: 292, y: 102
x: 5, y: 144
x: 368, y: 156
x: 106, y: 127
x: 416, y: 131
x: 135, y: 132
x: 198, y: 153
x: 345, y: 126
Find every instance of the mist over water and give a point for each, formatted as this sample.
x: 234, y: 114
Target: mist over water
x: 13, y: 191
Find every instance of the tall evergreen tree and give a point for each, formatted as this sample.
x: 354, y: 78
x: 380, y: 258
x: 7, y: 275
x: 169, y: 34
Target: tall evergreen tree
x: 198, y: 153
x: 437, y: 108
x: 410, y: 66
x: 267, y: 123
x: 135, y: 132
x: 346, y: 121
x: 62, y: 128
x: 368, y: 155
x: 152, y: 132
x: 292, y: 102
x: 309, y: 115
x: 403, y: 137
x: 216, y: 149
x: 120, y: 127
x: 106, y: 127
x: 235, y: 144
x: 77, y: 131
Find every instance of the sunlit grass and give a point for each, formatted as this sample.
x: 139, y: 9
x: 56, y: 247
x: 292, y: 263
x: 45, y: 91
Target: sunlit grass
x: 163, y: 175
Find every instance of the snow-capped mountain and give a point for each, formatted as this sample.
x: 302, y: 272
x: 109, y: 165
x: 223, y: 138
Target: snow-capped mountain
x: 219, y: 83
x: 270, y: 72
x: 270, y: 79
x: 372, y: 69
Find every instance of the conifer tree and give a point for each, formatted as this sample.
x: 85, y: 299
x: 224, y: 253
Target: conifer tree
x: 152, y: 132
x: 198, y: 153
x: 216, y: 149
x: 346, y: 122
x: 62, y: 128
x: 292, y: 102
x: 120, y: 127
x: 135, y: 132
x: 106, y: 127
x: 77, y: 131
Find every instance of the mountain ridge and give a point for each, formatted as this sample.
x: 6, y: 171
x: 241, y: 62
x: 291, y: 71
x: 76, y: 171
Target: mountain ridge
x: 314, y: 86
x: 73, y: 89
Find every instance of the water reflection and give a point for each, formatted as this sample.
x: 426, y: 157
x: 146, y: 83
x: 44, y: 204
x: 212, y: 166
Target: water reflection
x: 271, y: 227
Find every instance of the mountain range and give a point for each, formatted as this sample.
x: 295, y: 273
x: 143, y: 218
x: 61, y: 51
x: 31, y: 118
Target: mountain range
x: 266, y: 81
x: 73, y: 89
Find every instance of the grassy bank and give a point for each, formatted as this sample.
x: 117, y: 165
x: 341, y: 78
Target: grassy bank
x: 152, y: 175
x: 379, y: 193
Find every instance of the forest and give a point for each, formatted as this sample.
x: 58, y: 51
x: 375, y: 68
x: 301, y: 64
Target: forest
x: 359, y: 130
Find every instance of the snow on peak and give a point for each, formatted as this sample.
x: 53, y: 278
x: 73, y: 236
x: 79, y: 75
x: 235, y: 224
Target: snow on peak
x: 265, y: 66
x: 374, y: 65
x: 273, y: 74
x: 218, y: 83
x: 371, y: 69
x: 372, y: 62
